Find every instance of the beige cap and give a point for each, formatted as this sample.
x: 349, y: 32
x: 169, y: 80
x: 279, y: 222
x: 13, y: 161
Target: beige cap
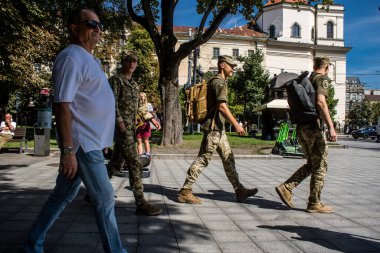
x: 228, y: 59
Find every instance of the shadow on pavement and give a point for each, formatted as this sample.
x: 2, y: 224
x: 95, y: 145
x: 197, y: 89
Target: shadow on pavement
x: 329, y: 239
x: 75, y: 230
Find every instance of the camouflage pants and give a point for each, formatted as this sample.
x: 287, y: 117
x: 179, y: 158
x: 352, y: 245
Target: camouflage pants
x: 4, y: 138
x: 125, y: 152
x: 213, y: 140
x: 314, y: 146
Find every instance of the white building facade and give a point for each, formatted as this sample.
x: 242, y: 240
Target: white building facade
x: 289, y: 36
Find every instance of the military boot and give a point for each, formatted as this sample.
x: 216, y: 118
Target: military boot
x: 319, y: 208
x: 242, y: 193
x: 186, y: 196
x: 147, y: 209
x: 285, y: 195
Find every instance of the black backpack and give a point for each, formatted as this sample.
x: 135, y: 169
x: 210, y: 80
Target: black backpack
x: 301, y: 99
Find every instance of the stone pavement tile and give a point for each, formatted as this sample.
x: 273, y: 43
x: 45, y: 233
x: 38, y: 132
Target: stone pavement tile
x: 166, y: 239
x: 75, y: 249
x: 214, y: 217
x: 339, y: 222
x: 129, y: 240
x: 249, y: 224
x: 221, y: 225
x: 126, y: 215
x: 83, y: 227
x: 367, y: 221
x: 157, y: 249
x: 82, y: 239
x: 128, y: 228
x: 156, y: 227
x: 227, y: 236
x: 315, y: 246
x: 240, y: 247
x: 197, y: 235
x: 210, y: 247
x: 278, y: 246
x: 362, y: 233
x: 243, y: 216
x: 210, y: 209
x: 261, y: 234
x: 310, y: 221
x: 161, y: 218
x: 12, y: 226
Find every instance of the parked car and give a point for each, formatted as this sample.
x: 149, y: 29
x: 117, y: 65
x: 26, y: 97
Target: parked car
x: 365, y: 132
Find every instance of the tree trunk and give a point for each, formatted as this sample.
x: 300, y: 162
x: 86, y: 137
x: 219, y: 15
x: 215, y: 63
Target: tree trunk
x: 172, y: 114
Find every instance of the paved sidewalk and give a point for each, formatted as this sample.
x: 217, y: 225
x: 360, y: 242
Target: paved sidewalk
x: 220, y: 224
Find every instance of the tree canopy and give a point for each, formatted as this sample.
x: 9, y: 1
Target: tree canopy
x: 34, y: 31
x: 248, y: 84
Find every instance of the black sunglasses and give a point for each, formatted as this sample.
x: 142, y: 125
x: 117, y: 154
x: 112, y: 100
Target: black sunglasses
x: 92, y: 24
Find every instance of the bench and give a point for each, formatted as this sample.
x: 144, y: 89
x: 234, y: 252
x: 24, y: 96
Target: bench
x: 20, y: 136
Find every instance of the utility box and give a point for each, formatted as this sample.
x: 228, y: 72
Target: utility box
x: 41, y: 141
x: 43, y: 126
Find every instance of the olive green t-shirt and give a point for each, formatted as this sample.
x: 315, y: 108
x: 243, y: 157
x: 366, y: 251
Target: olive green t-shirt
x: 216, y: 92
x: 320, y: 83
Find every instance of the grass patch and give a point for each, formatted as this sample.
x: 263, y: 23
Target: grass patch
x: 190, y: 141
x: 194, y: 140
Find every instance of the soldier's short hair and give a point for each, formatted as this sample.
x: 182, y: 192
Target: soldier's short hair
x: 321, y: 61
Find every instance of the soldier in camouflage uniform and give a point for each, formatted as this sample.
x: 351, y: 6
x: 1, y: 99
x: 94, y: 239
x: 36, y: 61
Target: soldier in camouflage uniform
x: 126, y: 93
x: 313, y: 141
x: 215, y: 138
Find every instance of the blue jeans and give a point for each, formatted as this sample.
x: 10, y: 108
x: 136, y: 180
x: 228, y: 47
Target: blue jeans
x: 93, y: 173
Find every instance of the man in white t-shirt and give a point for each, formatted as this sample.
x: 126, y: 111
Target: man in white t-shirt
x: 7, y: 129
x: 85, y: 114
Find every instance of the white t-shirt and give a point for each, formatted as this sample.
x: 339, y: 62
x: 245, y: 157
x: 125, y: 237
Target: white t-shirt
x: 79, y: 79
x: 150, y: 107
x: 7, y: 131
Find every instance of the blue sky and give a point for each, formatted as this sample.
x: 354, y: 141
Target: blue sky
x: 361, y: 31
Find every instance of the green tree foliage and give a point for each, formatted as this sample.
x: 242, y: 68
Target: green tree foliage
x: 247, y: 85
x: 375, y: 112
x: 34, y: 31
x: 331, y: 102
x: 360, y: 114
x: 25, y: 45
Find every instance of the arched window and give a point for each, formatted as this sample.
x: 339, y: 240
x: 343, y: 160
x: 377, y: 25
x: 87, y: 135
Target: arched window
x: 330, y: 30
x: 312, y: 34
x: 296, y: 31
x: 272, y: 31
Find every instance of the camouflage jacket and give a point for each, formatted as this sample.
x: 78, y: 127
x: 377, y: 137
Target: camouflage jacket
x: 127, y: 97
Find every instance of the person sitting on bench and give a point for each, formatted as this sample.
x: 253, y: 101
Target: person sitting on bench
x: 7, y: 129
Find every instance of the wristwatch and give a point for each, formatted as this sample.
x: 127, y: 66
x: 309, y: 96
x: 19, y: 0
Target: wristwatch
x: 66, y: 150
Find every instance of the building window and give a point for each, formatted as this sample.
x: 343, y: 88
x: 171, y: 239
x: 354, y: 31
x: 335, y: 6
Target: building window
x: 251, y: 52
x: 215, y: 52
x: 272, y: 31
x: 235, y: 53
x: 330, y: 30
x: 312, y: 34
x: 296, y: 31
x: 347, y: 96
